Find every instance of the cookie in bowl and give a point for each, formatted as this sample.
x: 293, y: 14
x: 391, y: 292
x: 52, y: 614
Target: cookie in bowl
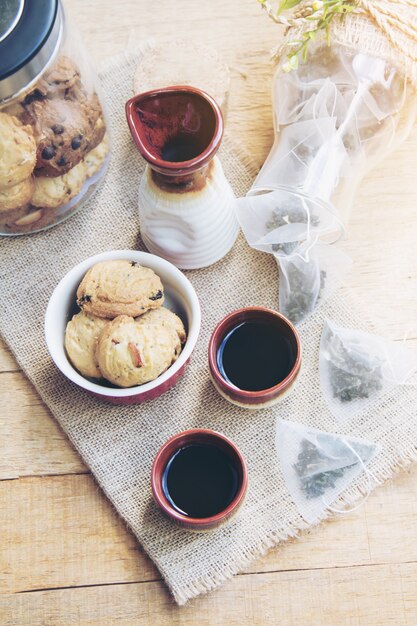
x: 164, y: 317
x: 129, y: 353
x: 119, y: 287
x: 158, y: 343
x: 81, y: 337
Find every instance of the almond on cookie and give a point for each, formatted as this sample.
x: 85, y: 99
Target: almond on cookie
x: 129, y: 353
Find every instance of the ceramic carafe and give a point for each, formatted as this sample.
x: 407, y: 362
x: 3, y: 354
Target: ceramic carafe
x: 186, y: 205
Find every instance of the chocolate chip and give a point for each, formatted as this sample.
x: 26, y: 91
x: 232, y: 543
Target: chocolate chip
x: 57, y: 129
x: 157, y: 296
x: 33, y: 95
x: 61, y: 161
x: 48, y: 153
x: 83, y: 300
x: 76, y: 142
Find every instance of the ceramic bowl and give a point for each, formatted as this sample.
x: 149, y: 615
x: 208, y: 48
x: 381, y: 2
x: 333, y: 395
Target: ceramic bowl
x: 180, y: 297
x: 166, y: 453
x: 265, y: 397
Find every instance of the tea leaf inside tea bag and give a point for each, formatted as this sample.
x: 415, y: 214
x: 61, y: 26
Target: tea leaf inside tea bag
x: 308, y: 277
x: 297, y: 213
x: 318, y: 466
x: 316, y: 457
x: 356, y: 368
x: 278, y: 220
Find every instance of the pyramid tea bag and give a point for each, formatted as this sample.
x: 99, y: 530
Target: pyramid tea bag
x: 308, y: 277
x: 318, y: 466
x: 278, y: 221
x: 357, y: 368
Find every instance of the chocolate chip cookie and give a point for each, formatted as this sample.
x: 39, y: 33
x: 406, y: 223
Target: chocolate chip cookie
x: 164, y: 317
x: 94, y: 159
x: 54, y: 192
x: 17, y: 151
x: 17, y: 196
x: 26, y: 219
x: 121, y: 287
x: 81, y: 337
x: 62, y: 80
x: 64, y: 131
x: 129, y: 353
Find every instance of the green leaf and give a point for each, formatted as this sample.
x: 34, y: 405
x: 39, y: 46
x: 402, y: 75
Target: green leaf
x: 285, y: 5
x: 294, y: 62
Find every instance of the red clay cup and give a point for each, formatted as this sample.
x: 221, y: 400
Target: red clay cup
x: 265, y: 397
x: 164, y: 455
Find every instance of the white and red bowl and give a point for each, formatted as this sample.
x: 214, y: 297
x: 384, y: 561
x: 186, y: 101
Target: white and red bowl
x: 180, y: 297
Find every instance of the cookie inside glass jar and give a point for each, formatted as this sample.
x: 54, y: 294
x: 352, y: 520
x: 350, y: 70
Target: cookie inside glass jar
x: 55, y: 144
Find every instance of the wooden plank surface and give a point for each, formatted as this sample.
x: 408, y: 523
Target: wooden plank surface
x: 66, y: 557
x: 65, y: 520
x: 349, y: 596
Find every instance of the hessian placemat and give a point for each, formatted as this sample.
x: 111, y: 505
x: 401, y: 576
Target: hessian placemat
x: 119, y: 443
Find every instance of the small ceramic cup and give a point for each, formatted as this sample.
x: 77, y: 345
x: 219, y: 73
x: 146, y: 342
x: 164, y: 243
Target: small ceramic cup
x: 265, y: 397
x: 166, y: 453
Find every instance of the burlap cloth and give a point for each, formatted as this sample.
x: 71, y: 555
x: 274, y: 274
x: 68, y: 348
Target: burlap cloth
x: 119, y: 443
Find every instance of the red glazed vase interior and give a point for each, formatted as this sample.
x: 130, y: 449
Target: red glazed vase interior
x: 177, y: 129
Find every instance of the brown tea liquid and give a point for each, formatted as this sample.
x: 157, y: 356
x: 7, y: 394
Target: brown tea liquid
x: 255, y: 356
x: 200, y: 480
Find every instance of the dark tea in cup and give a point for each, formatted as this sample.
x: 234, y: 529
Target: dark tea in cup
x: 254, y: 356
x: 261, y: 344
x: 199, y: 479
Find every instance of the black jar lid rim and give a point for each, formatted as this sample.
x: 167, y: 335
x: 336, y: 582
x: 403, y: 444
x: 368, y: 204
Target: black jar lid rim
x: 28, y: 36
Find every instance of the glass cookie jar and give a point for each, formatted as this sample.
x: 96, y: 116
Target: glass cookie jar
x: 54, y: 142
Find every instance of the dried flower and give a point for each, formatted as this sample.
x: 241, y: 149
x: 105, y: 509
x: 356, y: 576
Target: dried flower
x: 318, y: 13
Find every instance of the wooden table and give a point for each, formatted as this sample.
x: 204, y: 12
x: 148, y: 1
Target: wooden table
x: 66, y: 558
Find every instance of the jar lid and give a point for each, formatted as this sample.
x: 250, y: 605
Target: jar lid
x: 29, y: 34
